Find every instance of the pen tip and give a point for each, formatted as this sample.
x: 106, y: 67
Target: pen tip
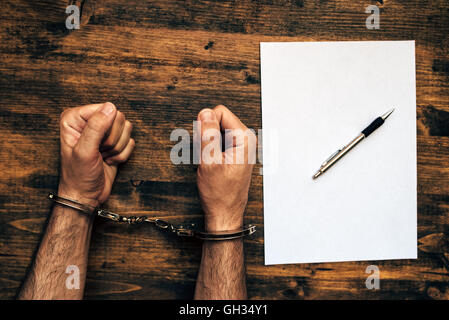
x: 316, y: 175
x: 387, y: 114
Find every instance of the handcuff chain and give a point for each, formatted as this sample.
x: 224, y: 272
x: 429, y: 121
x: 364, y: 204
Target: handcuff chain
x: 159, y: 223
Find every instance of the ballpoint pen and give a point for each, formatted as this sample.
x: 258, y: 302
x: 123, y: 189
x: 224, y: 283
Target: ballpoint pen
x: 341, y: 152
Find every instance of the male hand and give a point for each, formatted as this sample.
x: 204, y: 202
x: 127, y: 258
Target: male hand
x: 94, y: 140
x: 224, y: 177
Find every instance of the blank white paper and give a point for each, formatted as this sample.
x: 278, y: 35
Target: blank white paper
x: 317, y: 97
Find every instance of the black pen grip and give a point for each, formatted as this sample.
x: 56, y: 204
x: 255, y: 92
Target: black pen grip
x: 373, y: 126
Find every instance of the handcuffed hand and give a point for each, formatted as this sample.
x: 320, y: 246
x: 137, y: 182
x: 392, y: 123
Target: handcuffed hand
x: 94, y: 140
x: 224, y: 176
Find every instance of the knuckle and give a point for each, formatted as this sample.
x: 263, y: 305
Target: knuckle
x: 129, y: 146
x: 120, y: 119
x: 64, y: 114
x: 221, y: 107
x: 203, y: 110
x: 129, y: 125
x: 120, y: 116
x: 252, y: 138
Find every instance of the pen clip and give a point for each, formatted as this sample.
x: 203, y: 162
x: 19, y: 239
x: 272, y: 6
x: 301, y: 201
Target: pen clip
x: 331, y: 157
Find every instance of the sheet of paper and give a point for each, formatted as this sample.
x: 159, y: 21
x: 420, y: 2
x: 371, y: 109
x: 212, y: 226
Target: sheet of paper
x: 317, y: 97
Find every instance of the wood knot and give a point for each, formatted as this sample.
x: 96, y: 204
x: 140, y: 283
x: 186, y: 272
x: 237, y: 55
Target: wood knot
x: 209, y: 45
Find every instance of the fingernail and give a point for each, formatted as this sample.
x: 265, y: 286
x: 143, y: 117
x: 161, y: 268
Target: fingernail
x: 107, y: 108
x: 207, y: 115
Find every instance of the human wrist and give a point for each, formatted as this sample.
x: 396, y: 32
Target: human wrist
x: 217, y: 221
x: 68, y: 217
x: 73, y: 194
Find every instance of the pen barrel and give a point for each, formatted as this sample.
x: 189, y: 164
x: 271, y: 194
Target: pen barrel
x: 342, y: 152
x: 373, y: 126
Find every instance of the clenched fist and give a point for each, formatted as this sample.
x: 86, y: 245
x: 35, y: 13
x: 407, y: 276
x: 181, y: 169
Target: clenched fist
x: 94, y: 140
x: 224, y: 176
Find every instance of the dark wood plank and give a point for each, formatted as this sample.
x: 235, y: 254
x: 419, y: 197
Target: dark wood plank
x: 161, y: 62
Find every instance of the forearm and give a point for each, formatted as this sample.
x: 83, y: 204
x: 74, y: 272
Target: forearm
x: 222, y: 271
x: 65, y: 243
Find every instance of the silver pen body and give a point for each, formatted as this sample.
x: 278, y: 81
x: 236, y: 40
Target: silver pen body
x: 338, y: 155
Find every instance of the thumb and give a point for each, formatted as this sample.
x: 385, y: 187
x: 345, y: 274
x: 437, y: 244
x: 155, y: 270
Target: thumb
x: 96, y: 128
x: 210, y: 137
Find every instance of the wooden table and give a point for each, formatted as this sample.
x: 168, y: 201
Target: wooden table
x: 161, y: 62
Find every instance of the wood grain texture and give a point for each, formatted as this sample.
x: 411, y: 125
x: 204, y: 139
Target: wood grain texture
x: 161, y: 62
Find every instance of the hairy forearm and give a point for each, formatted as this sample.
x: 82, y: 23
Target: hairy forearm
x: 222, y: 271
x: 65, y: 243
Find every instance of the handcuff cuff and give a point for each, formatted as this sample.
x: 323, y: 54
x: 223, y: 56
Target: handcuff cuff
x: 159, y: 223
